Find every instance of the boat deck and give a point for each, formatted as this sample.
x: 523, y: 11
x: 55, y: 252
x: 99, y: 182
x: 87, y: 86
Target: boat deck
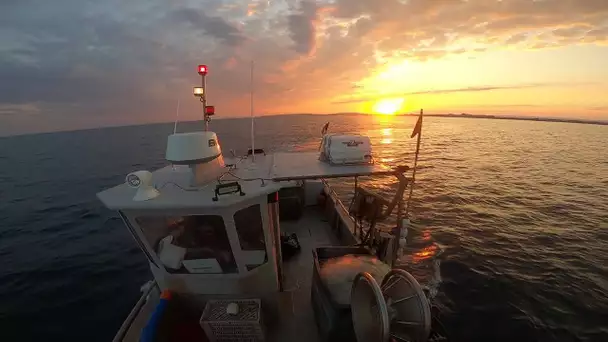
x: 312, y: 231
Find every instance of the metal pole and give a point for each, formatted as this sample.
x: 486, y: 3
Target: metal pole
x: 204, y: 101
x: 143, y: 299
x: 409, y: 199
x: 349, y: 209
x: 251, y: 110
x: 396, y: 242
x: 176, y: 117
x: 273, y: 213
x: 400, y: 215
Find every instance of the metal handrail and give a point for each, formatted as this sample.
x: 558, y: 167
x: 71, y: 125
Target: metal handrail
x: 146, y: 290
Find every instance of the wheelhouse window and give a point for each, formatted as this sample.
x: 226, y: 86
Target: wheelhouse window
x: 190, y: 244
x: 250, y: 229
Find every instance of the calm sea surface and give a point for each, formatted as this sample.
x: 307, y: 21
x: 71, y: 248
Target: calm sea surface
x: 518, y: 209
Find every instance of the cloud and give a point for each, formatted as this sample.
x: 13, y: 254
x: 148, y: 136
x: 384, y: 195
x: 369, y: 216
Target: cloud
x: 374, y: 97
x: 302, y: 26
x: 216, y: 27
x: 23, y: 109
x: 115, y: 60
x: 600, y: 108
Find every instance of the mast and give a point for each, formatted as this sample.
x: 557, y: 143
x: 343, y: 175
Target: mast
x: 204, y: 99
x: 201, y: 93
x: 252, y: 116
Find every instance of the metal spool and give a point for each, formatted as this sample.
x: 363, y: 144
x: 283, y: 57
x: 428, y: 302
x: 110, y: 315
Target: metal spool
x: 368, y: 309
x: 396, y: 311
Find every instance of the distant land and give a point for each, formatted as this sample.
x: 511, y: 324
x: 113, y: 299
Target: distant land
x: 9, y: 133
x: 508, y: 117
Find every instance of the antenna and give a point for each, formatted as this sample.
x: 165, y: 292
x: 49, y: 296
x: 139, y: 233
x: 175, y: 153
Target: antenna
x: 176, y: 117
x: 252, y: 121
x: 201, y: 93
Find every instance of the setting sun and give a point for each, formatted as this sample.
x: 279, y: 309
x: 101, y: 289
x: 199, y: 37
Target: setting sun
x: 388, y: 106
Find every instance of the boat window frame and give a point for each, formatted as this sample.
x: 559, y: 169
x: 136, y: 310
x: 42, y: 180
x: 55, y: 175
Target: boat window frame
x: 155, y: 245
x: 227, y: 214
x: 140, y: 239
x: 241, y: 236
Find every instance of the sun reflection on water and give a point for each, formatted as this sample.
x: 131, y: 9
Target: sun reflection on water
x: 386, y: 160
x: 425, y: 253
x: 386, y: 133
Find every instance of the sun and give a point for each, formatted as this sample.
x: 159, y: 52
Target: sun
x: 388, y: 106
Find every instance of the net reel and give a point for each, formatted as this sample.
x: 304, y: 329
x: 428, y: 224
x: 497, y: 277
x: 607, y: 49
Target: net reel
x: 395, y: 311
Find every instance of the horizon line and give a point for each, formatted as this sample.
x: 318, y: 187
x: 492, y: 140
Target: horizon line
x: 409, y: 114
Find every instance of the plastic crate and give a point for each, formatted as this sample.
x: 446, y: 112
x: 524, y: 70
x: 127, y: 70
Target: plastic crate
x: 245, y: 326
x: 333, y: 319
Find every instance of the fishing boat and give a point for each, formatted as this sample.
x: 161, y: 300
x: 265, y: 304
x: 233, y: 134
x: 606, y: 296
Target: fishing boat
x: 260, y: 247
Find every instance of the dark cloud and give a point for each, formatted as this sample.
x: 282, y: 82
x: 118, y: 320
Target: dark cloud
x: 99, y: 64
x: 302, y: 26
x: 507, y: 106
x: 216, y: 27
x: 440, y: 91
x: 102, y: 61
x: 405, y: 24
x: 569, y: 32
x: 600, y: 108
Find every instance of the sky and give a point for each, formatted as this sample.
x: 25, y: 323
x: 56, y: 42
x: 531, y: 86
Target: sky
x: 69, y: 64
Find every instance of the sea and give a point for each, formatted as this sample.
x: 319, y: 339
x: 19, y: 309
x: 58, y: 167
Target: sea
x: 515, y: 214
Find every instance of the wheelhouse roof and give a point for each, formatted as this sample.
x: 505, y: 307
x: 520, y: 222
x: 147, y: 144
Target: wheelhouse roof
x: 268, y: 174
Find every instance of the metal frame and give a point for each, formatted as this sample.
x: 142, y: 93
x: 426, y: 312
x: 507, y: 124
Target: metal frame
x: 227, y: 215
x: 143, y: 299
x: 139, y: 239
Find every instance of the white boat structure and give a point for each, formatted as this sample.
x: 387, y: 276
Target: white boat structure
x: 260, y: 248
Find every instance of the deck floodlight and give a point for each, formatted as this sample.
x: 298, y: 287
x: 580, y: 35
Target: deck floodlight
x: 142, y: 181
x: 198, y: 91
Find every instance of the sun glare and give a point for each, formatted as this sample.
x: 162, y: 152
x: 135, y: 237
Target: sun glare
x: 388, y: 106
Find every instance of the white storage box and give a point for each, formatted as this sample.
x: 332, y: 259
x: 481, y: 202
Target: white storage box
x: 244, y: 326
x: 346, y: 149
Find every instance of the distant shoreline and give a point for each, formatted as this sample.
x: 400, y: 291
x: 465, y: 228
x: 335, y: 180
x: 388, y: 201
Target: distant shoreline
x: 521, y: 118
x: 451, y: 115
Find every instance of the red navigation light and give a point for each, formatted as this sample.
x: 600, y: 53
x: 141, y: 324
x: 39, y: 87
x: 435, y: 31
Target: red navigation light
x: 209, y: 110
x: 202, y: 70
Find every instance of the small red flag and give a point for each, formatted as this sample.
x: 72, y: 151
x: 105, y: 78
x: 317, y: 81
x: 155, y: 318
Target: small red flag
x: 418, y: 127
